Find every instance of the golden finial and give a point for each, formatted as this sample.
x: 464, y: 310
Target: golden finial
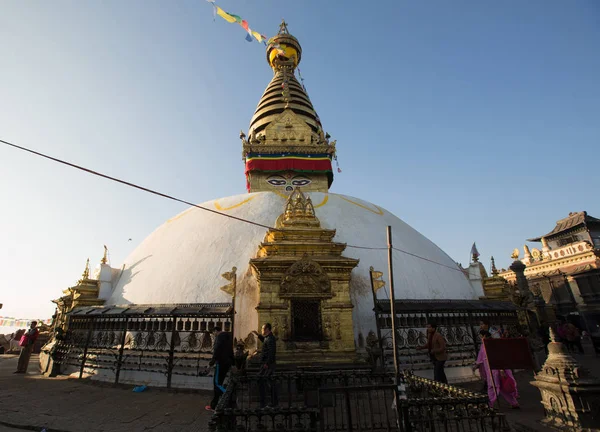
x: 86, y: 272
x: 283, y: 27
x: 104, y: 259
x: 494, y: 269
x: 515, y: 254
x: 298, y: 207
x: 289, y: 210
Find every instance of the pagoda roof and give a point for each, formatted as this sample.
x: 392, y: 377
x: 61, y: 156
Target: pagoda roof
x: 574, y: 220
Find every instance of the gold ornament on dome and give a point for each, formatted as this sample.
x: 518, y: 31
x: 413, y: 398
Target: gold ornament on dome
x: 305, y: 278
x: 515, y: 254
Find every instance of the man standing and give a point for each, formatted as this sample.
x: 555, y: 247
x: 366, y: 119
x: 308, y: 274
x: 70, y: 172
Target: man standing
x: 436, y: 347
x: 222, y: 359
x: 27, y: 341
x: 267, y: 360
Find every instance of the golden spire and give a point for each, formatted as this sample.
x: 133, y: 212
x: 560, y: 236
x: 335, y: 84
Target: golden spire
x: 283, y: 27
x: 494, y: 269
x: 86, y: 273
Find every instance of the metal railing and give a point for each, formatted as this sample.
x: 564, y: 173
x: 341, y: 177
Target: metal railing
x: 172, y: 343
x: 355, y: 400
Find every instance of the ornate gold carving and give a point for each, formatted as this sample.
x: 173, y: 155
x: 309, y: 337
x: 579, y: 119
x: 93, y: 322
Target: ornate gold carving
x: 305, y: 278
x: 337, y: 329
x: 327, y: 328
x: 289, y: 128
x: 86, y: 272
x: 515, y: 254
x: 232, y: 278
x: 299, y: 210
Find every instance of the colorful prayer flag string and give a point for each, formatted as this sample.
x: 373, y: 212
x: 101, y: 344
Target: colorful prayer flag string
x: 232, y: 18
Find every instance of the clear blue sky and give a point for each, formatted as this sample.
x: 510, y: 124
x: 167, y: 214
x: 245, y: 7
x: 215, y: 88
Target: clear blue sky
x: 470, y: 120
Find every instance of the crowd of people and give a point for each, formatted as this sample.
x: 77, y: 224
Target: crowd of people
x: 496, y: 382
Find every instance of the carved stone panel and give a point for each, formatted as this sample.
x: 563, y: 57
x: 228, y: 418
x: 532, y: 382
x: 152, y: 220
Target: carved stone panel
x: 288, y: 128
x: 305, y: 279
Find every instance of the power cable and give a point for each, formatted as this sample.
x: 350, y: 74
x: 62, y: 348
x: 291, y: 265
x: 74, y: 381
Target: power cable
x: 133, y: 185
x: 99, y: 174
x: 426, y: 259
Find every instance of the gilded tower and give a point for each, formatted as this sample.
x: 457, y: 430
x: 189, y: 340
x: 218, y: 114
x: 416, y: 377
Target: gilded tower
x: 286, y: 146
x: 303, y: 278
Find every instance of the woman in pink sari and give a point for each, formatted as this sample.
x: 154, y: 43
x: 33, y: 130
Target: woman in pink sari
x: 503, y: 379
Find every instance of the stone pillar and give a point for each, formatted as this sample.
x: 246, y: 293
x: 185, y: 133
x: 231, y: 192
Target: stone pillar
x: 575, y: 290
x: 570, y: 395
x: 519, y: 269
x: 524, y: 298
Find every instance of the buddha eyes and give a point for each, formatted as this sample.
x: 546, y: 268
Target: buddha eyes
x: 276, y: 182
x: 300, y: 182
x: 282, y: 181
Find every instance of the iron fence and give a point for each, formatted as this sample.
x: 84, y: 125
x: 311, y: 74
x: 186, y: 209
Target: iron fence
x: 458, y: 321
x: 159, y: 342
x: 357, y: 400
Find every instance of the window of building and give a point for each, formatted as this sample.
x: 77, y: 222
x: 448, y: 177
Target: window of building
x: 567, y: 240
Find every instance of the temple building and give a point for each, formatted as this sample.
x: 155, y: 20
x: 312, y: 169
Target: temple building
x: 303, y: 264
x: 565, y: 272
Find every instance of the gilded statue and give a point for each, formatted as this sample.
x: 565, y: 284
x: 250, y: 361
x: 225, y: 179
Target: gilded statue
x: 337, y: 329
x: 327, y: 329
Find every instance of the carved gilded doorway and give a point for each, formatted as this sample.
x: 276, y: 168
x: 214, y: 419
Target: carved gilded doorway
x: 306, y: 321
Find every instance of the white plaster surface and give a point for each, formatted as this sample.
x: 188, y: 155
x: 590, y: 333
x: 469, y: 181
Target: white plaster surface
x: 182, y: 261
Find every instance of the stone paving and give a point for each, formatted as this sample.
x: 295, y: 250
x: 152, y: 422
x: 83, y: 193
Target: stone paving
x: 528, y: 417
x: 62, y: 404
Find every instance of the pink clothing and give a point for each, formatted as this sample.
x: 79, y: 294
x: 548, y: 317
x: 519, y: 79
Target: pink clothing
x: 511, y: 397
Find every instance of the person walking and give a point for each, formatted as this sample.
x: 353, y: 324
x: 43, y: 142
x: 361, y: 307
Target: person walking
x: 222, y: 359
x: 27, y: 341
x: 267, y: 368
x: 436, y: 347
x: 498, y: 381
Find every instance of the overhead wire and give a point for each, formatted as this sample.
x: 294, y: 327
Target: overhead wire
x: 115, y: 179
x: 170, y: 197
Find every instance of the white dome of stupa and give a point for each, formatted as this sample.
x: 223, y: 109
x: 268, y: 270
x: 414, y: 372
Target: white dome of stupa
x: 182, y: 261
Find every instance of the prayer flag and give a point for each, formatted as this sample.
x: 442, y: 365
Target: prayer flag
x: 257, y: 35
x: 249, y: 38
x: 227, y: 17
x: 474, y: 250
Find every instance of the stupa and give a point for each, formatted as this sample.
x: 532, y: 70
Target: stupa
x: 308, y: 275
